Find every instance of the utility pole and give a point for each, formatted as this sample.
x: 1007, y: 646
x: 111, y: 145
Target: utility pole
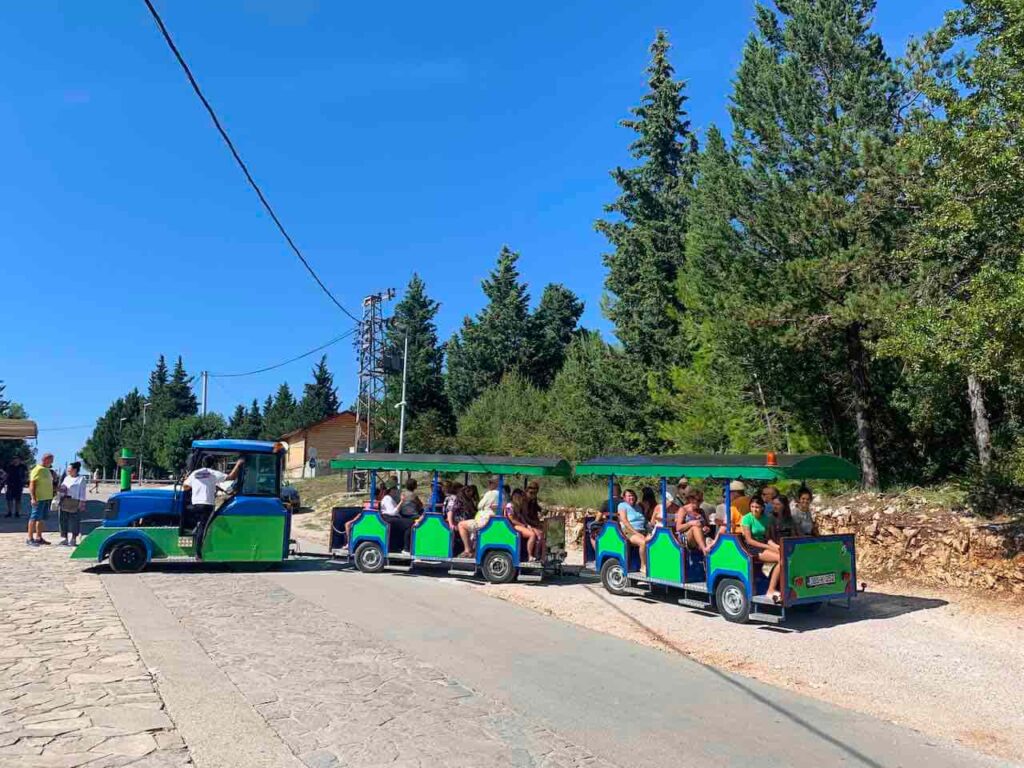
x: 206, y: 381
x: 405, y: 370
x: 370, y: 349
x: 142, y: 444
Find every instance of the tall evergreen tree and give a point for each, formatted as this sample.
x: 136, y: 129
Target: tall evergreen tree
x: 319, y: 397
x: 158, y: 380
x: 816, y: 109
x: 280, y: 414
x: 555, y: 323
x: 647, y: 236
x: 181, y: 400
x: 236, y: 424
x: 496, y: 341
x: 414, y: 319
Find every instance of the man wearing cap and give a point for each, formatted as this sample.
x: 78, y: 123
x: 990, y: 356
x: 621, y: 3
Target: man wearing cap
x: 679, y: 497
x: 740, y: 506
x: 40, y: 491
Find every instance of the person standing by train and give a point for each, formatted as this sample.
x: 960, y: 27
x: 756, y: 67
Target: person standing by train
x: 72, y: 503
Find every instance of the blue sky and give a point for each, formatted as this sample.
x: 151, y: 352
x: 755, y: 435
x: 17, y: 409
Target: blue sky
x: 390, y: 137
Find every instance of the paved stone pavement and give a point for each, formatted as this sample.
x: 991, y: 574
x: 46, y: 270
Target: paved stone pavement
x: 73, y: 691
x: 339, y: 697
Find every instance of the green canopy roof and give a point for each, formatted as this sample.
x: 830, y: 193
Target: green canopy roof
x: 790, y: 466
x: 488, y: 465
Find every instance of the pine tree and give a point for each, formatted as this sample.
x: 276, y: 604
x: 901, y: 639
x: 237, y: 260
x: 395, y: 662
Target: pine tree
x: 280, y: 414
x: 496, y: 342
x: 181, y: 400
x: 319, y: 397
x: 236, y: 425
x: 158, y: 380
x: 648, y: 235
x: 554, y: 324
x: 816, y: 108
x: 414, y: 319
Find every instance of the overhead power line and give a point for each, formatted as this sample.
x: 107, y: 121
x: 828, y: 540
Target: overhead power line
x: 333, y: 341
x: 238, y: 159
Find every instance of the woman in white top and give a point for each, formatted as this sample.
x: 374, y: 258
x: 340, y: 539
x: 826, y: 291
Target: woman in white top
x: 72, y: 504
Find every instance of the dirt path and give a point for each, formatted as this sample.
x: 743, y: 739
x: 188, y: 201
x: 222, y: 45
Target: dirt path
x: 947, y: 668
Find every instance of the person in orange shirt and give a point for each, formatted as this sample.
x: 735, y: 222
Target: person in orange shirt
x: 740, y: 504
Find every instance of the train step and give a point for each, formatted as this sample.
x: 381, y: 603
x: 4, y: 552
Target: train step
x: 765, y: 600
x: 462, y: 571
x: 530, y: 577
x: 638, y: 576
x: 696, y: 586
x: 767, y: 618
x: 690, y: 603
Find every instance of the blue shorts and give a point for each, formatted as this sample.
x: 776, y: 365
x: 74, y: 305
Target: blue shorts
x: 40, y: 510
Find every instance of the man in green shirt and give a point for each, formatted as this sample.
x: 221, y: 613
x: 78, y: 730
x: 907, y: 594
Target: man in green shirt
x: 40, y: 490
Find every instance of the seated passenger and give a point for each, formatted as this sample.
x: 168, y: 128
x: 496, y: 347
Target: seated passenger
x: 692, y: 526
x: 756, y: 536
x: 803, y: 520
x: 648, y: 503
x: 410, y: 508
x: 739, y: 507
x: 389, y: 501
x: 634, y: 525
x: 515, y: 511
x: 533, y: 517
x: 454, y: 512
x: 769, y: 494
x: 670, y: 519
x: 486, y: 507
x: 785, y: 525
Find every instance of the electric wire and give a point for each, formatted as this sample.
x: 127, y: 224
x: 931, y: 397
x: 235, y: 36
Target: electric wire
x: 238, y: 158
x: 333, y: 341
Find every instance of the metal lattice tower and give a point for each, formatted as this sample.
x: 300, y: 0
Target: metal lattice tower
x: 370, y: 351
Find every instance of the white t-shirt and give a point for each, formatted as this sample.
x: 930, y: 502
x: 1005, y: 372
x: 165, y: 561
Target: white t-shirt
x: 489, y: 502
x: 388, y: 505
x: 74, y: 487
x: 203, y: 483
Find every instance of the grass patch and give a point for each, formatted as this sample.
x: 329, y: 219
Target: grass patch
x: 312, y: 490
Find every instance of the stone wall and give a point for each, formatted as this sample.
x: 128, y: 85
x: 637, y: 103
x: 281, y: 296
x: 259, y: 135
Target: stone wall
x: 900, y: 536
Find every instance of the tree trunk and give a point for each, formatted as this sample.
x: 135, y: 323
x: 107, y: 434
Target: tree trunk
x: 979, y: 413
x: 862, y: 407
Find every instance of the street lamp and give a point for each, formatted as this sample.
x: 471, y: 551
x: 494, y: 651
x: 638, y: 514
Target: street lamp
x: 142, y: 444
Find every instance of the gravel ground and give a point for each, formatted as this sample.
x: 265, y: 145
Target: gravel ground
x: 945, y: 667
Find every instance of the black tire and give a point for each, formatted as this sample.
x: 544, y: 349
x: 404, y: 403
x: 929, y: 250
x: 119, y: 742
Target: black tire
x: 127, y: 557
x: 613, y: 577
x: 498, y: 567
x: 370, y: 557
x: 732, y: 601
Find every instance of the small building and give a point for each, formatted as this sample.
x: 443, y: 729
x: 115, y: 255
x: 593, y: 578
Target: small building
x: 323, y: 441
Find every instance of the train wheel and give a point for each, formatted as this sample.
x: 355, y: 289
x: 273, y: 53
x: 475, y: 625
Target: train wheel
x: 613, y: 577
x: 498, y: 567
x: 731, y: 599
x: 127, y: 557
x: 370, y: 557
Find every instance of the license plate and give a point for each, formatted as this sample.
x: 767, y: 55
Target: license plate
x: 821, y: 579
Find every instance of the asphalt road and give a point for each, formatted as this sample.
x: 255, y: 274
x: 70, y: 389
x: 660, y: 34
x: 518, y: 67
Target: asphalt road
x: 625, y: 703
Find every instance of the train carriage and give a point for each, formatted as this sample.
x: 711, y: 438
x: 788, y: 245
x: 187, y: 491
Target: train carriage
x: 815, y: 569
x: 363, y: 535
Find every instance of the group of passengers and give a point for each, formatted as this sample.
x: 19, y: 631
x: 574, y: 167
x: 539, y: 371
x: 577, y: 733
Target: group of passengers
x: 465, y: 511
x: 761, y: 520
